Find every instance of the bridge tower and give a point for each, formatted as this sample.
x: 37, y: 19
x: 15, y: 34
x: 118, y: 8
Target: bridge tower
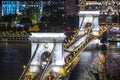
x: 50, y: 44
x: 85, y: 16
x: 91, y: 17
x: 82, y: 4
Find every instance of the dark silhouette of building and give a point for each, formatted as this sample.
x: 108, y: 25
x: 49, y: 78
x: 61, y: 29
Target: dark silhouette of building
x: 71, y: 7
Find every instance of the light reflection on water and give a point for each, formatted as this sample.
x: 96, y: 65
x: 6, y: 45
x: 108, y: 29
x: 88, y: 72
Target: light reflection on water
x: 88, y: 57
x: 14, y: 55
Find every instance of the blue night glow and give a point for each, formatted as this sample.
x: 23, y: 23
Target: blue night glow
x: 118, y: 44
x: 9, y: 7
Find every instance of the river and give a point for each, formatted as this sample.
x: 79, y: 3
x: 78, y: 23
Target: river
x: 14, y: 55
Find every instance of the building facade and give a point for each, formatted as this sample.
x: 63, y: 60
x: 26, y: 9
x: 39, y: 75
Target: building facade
x: 0, y: 10
x: 10, y: 7
x: 71, y: 7
x: 109, y: 9
x: 16, y: 7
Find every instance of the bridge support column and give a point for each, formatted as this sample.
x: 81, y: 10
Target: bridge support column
x: 58, y: 59
x: 50, y: 44
x: 88, y: 17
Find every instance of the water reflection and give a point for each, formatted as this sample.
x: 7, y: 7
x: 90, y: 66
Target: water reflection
x: 12, y: 57
x: 94, y: 57
x: 105, y: 67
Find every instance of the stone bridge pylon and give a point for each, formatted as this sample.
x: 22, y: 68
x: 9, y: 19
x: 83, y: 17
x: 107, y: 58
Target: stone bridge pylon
x: 46, y: 49
x: 91, y: 17
x: 47, y: 42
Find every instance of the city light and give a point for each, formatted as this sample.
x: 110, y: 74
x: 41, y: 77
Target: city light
x: 60, y: 40
x: 57, y: 69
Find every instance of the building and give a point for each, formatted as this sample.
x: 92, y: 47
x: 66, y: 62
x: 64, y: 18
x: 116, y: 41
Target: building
x: 16, y: 7
x: 32, y: 4
x: 10, y: 7
x: 67, y: 7
x: 71, y: 7
x: 32, y: 8
x: 109, y: 9
x: 0, y: 10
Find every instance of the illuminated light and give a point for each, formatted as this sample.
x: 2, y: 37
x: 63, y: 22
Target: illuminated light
x: 96, y: 33
x: 96, y: 41
x: 56, y: 69
x: 30, y: 73
x: 47, y: 59
x: 118, y: 44
x: 89, y: 12
x: 23, y: 5
x: 46, y: 45
x: 34, y: 69
x: 24, y: 66
x: 48, y: 34
x: 88, y: 19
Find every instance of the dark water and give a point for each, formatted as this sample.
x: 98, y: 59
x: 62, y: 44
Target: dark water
x: 12, y: 58
x: 87, y: 57
x: 14, y: 55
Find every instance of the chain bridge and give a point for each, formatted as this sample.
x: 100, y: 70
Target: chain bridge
x: 53, y: 55
x: 52, y: 58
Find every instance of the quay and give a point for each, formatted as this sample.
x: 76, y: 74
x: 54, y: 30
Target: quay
x: 14, y: 37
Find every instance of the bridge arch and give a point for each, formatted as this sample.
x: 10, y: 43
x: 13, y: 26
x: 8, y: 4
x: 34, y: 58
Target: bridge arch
x: 88, y: 27
x: 45, y: 56
x: 86, y: 17
x: 45, y: 52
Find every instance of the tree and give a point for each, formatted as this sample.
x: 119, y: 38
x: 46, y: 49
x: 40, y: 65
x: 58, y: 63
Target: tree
x: 11, y: 18
x: 26, y: 22
x: 31, y: 12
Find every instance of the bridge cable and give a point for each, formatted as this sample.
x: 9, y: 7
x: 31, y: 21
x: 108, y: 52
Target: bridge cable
x: 25, y: 70
x: 83, y: 44
x: 81, y: 23
x: 46, y: 67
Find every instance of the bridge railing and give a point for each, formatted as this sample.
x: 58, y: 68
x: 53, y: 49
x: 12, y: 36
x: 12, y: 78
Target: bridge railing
x: 70, y: 58
x: 78, y: 50
x: 68, y: 41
